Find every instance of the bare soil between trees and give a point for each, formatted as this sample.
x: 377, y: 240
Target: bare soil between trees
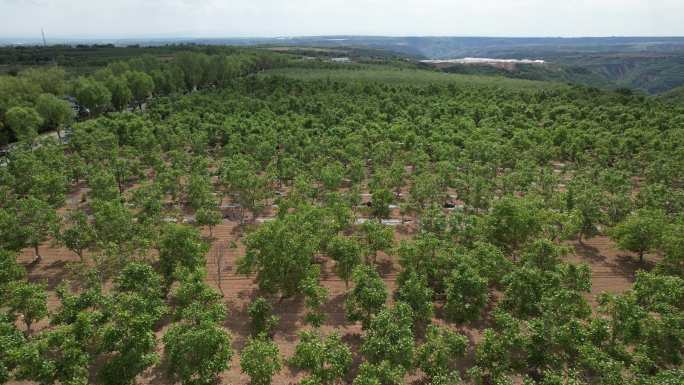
x: 613, y: 272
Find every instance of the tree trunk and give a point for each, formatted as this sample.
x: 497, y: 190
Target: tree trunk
x: 59, y: 136
x: 641, y: 257
x: 38, y: 257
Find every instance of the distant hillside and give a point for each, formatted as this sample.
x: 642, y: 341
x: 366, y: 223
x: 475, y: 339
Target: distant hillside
x: 549, y: 72
x: 674, y: 96
x: 651, y: 64
x: 654, y: 65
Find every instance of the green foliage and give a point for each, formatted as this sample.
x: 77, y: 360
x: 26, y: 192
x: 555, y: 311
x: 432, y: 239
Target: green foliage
x: 53, y: 356
x: 389, y: 337
x: 281, y: 252
x: 585, y: 200
x: 512, y: 222
x: 673, y: 249
x: 415, y: 292
x: 11, y: 339
x: 466, y: 294
x: 260, y: 360
x: 641, y: 232
x: 26, y: 300
x: 195, y: 301
x: 327, y: 359
x: 524, y: 288
x: 140, y: 84
x: 10, y: 271
x: 489, y: 261
x: 437, y: 356
x: 208, y: 216
x: 24, y: 122
x: 180, y: 247
x: 92, y: 94
x: 197, y: 353
x: 380, y: 201
x: 315, y: 296
x: 79, y: 236
x: 383, y: 373
x: 121, y: 93
x: 56, y: 113
x: 367, y: 297
x: 377, y: 237
x: 261, y: 319
x: 346, y: 253
x: 243, y: 183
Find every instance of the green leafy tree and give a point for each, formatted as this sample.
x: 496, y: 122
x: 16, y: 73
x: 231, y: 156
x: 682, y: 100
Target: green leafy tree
x: 512, y: 222
x: 673, y: 249
x: 199, y: 191
x: 641, y: 232
x: 389, y: 337
x: 346, y: 253
x: 437, y: 356
x: 490, y: 261
x: 180, y: 247
x: 92, y: 94
x: 128, y: 336
x: 260, y: 360
x: 11, y: 340
x: 243, y: 182
x: 38, y: 220
x: 28, y: 301
x: 24, y: 122
x: 197, y: 353
x: 524, y: 289
x: 117, y: 232
x: 466, y: 294
x: 121, y: 93
x: 377, y: 237
x: 195, y: 301
x: 383, y: 373
x: 585, y: 200
x: 54, y: 356
x: 281, y: 253
x: 367, y: 297
x: 56, y: 113
x: 103, y: 185
x: 79, y: 234
x: 415, y: 292
x: 331, y: 175
x: 262, y: 321
x: 327, y: 359
x: 499, y: 352
x: 315, y: 296
x: 141, y: 86
x: 208, y: 216
x: 380, y: 200
x: 10, y: 270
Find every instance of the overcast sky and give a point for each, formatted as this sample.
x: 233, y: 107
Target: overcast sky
x: 256, y: 18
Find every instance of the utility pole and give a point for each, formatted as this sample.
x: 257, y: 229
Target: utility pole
x: 42, y: 32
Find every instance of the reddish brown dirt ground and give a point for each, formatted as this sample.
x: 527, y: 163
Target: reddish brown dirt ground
x: 613, y: 271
